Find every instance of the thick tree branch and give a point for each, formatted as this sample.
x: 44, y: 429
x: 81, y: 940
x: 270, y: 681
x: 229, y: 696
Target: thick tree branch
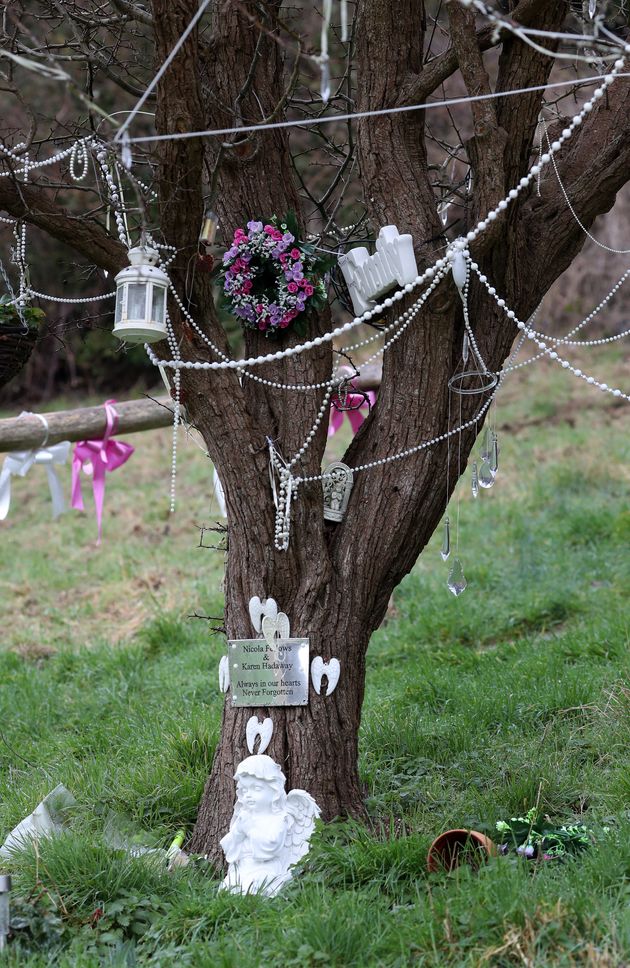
x: 593, y: 167
x: 31, y: 203
x: 418, y: 87
x: 485, y: 149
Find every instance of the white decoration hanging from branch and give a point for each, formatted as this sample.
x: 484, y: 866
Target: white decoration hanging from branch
x: 369, y: 276
x: 337, y: 486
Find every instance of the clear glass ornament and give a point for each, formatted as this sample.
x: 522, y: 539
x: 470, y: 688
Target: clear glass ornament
x: 474, y: 480
x: 592, y: 8
x: 446, y: 541
x: 486, y: 445
x: 465, y: 346
x: 494, y: 454
x: 456, y: 578
x: 486, y: 477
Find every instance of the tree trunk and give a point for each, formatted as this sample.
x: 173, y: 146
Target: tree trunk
x: 335, y: 580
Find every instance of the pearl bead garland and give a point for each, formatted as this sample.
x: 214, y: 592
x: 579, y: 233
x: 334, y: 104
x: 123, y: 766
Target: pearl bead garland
x: 551, y: 353
x: 427, y: 274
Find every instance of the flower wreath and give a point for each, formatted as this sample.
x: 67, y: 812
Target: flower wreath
x: 270, y: 278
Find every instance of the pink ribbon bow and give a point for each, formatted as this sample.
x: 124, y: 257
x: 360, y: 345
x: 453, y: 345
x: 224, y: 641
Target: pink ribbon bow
x: 356, y: 403
x: 96, y: 457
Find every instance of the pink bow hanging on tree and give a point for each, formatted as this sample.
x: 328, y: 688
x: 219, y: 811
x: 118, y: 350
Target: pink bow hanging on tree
x: 96, y: 457
x: 355, y: 405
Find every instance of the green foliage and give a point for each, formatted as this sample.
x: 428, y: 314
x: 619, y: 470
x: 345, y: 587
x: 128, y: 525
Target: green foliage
x: 535, y: 836
x: 9, y: 315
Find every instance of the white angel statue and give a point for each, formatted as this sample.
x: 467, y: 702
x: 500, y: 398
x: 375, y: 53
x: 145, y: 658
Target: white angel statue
x: 270, y: 829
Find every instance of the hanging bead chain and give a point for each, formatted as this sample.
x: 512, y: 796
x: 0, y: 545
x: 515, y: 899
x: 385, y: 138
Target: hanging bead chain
x: 172, y: 342
x: 549, y: 351
x: 113, y: 196
x: 429, y: 273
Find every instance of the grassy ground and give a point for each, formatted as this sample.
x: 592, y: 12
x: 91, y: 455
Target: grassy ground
x: 476, y: 708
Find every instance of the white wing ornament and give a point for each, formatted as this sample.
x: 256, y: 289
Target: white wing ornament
x: 303, y: 812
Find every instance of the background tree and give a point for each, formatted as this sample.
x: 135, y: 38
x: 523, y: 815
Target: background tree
x: 251, y: 62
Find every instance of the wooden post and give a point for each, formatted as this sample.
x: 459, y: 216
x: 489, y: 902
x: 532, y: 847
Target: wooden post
x: 24, y: 433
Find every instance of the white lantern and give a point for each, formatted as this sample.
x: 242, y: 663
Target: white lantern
x: 141, y: 298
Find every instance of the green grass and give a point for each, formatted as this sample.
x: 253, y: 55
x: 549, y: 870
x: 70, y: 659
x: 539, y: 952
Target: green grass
x: 476, y: 708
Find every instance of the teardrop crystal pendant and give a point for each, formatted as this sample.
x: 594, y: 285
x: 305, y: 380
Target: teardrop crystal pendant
x: 474, y: 480
x: 446, y: 541
x: 456, y: 578
x: 592, y: 7
x: 494, y: 454
x: 465, y: 346
x: 486, y: 445
x: 486, y: 477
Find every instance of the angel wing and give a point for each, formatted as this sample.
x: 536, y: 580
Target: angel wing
x: 303, y: 812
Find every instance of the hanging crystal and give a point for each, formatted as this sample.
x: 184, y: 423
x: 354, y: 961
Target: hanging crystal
x: 474, y: 481
x: 592, y: 8
x: 494, y: 454
x: 446, y: 541
x: 465, y: 347
x: 456, y: 578
x: 486, y: 477
x: 486, y: 444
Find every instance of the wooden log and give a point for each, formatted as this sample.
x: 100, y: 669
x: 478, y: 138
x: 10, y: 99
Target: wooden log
x: 24, y: 433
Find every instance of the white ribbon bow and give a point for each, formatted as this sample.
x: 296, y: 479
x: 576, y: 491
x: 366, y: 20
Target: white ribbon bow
x: 19, y: 463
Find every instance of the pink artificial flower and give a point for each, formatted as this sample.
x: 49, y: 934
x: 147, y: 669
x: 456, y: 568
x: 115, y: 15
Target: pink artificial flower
x: 269, y: 229
x: 295, y: 253
x: 309, y: 290
x: 283, y: 258
x: 247, y: 285
x: 276, y: 235
x: 263, y: 324
x: 259, y: 307
x: 292, y: 287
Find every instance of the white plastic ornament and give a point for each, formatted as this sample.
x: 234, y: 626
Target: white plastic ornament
x: 331, y: 670
x: 369, y: 276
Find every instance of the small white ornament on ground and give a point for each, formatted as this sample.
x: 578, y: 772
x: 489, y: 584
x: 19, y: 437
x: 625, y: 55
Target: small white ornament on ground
x: 319, y: 669
x: 224, y: 674
x: 370, y: 276
x: 258, y: 609
x: 274, y: 628
x: 337, y: 489
x: 270, y: 829
x: 255, y: 728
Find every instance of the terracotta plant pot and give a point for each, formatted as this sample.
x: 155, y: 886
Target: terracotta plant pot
x: 455, y: 847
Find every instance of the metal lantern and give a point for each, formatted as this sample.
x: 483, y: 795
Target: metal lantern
x: 141, y: 298
x: 208, y: 232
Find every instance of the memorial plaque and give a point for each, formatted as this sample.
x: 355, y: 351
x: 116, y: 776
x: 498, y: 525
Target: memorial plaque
x: 269, y: 675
